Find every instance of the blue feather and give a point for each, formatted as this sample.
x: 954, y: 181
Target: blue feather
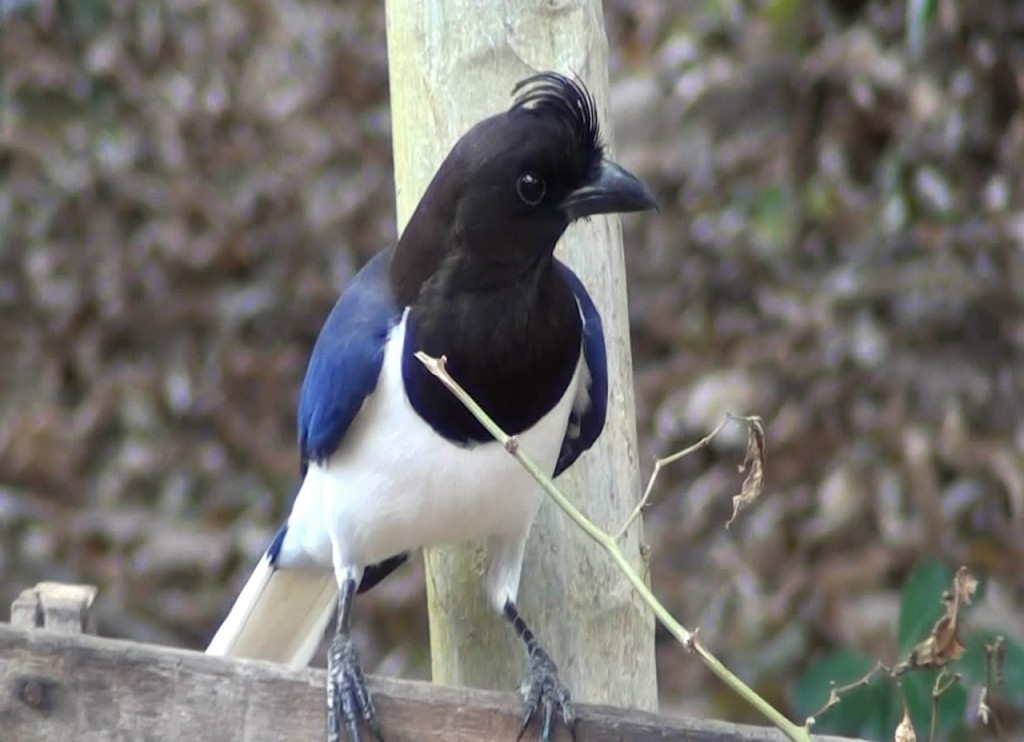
x: 587, y: 419
x: 346, y: 360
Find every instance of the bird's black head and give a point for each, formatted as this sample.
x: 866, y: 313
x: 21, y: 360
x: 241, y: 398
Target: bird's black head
x: 509, y: 188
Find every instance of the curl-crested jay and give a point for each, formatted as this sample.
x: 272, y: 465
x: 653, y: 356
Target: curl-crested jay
x: 390, y: 460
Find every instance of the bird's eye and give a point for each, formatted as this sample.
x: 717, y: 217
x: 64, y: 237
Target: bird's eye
x: 531, y: 189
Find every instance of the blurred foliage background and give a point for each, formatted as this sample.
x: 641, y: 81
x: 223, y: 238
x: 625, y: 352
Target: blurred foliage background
x: 184, y: 188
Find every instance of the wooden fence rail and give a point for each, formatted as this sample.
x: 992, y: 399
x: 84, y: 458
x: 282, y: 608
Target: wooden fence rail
x: 56, y: 684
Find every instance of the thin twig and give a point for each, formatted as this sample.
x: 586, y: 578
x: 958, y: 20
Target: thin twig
x: 995, y: 657
x: 835, y: 692
x: 610, y: 544
x: 938, y: 690
x: 660, y: 464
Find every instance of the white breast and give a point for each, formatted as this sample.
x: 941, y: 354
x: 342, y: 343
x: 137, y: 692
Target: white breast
x: 395, y: 485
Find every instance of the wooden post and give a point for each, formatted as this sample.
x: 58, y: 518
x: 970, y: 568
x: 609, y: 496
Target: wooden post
x: 452, y: 63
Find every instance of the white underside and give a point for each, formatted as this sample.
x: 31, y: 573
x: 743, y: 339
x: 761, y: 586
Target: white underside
x: 395, y: 485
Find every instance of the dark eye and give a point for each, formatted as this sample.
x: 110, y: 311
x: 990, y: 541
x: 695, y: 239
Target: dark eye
x: 531, y: 189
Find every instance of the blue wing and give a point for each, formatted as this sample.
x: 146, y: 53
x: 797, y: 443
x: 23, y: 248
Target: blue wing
x: 346, y: 360
x: 343, y: 371
x: 591, y: 405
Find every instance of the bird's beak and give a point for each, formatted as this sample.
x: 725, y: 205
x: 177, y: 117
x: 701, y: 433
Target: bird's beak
x: 612, y: 190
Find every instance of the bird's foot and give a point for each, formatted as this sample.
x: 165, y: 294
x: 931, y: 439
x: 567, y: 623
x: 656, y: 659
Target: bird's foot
x: 544, y: 691
x: 347, y: 697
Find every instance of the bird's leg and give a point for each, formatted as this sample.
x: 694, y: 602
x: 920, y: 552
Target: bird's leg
x: 347, y: 697
x: 541, y: 687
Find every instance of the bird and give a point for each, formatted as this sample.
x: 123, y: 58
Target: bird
x: 390, y: 460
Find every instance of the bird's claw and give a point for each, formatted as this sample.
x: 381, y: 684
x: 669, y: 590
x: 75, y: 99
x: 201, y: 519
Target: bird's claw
x: 348, y: 700
x: 542, y: 689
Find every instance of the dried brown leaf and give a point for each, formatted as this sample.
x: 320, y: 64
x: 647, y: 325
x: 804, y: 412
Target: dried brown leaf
x: 753, y: 465
x: 905, y: 730
x: 943, y: 643
x: 965, y: 585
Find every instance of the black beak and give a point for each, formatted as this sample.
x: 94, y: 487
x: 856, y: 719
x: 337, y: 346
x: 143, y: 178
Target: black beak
x: 612, y: 190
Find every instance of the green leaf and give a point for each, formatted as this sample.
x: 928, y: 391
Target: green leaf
x: 920, y: 605
x: 972, y: 664
x: 952, y: 705
x: 1013, y: 674
x: 870, y: 711
x: 973, y: 667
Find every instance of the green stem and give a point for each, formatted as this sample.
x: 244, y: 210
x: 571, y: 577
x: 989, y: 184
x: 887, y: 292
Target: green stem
x: 611, y: 545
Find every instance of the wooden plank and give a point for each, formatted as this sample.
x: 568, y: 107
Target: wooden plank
x: 56, y: 606
x: 57, y: 686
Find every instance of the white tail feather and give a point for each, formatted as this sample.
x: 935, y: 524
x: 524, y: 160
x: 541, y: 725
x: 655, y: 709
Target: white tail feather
x: 280, y: 616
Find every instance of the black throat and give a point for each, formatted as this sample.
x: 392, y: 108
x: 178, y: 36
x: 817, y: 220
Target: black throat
x: 512, y: 342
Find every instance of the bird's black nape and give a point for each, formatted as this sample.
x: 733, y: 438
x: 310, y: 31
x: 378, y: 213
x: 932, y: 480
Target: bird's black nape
x: 565, y: 100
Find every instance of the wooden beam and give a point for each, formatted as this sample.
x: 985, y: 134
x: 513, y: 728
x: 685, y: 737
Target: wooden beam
x: 56, y: 606
x: 59, y: 686
x: 452, y: 63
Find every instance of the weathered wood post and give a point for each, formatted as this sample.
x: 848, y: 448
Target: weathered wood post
x: 453, y: 62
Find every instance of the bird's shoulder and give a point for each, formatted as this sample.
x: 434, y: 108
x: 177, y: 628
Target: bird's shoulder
x: 346, y: 360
